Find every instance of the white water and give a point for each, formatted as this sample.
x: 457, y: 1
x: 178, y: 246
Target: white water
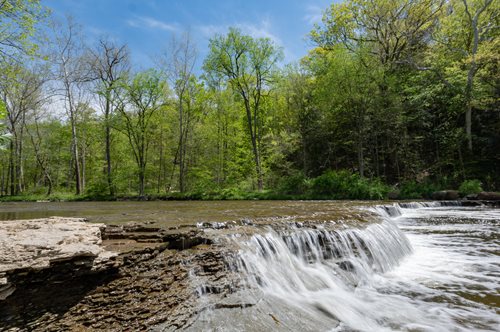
x: 425, y: 267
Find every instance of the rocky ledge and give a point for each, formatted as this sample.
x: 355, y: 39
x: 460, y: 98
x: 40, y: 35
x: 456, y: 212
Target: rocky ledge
x: 66, y: 274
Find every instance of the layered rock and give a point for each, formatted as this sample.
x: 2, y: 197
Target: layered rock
x: 65, y: 274
x: 31, y: 246
x: 445, y: 195
x: 488, y: 196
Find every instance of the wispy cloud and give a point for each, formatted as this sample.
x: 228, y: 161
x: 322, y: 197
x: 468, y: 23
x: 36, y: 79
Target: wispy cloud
x: 261, y: 30
x: 152, y: 23
x: 314, y: 14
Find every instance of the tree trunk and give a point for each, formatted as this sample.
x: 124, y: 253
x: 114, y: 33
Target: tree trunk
x: 76, y: 155
x: 361, y: 160
x: 141, y: 181
x: 108, y: 147
x: 474, y: 20
x: 258, y: 169
x: 12, y: 172
x: 181, y: 146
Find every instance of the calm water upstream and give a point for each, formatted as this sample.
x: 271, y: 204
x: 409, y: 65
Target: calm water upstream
x: 414, y: 267
x: 173, y: 213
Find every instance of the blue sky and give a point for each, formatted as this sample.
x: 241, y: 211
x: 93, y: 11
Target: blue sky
x: 147, y: 25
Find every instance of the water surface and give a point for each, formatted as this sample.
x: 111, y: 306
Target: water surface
x: 173, y: 213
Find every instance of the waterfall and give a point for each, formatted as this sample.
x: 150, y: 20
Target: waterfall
x: 318, y: 269
x: 412, y: 267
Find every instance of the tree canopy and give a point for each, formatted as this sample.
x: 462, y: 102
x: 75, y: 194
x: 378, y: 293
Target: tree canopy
x: 398, y: 97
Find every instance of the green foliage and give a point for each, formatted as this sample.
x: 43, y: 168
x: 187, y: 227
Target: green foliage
x: 382, y: 94
x: 418, y: 190
x: 18, y: 23
x: 4, y: 138
x: 470, y: 187
x: 296, y: 184
x: 247, y: 65
x: 346, y: 185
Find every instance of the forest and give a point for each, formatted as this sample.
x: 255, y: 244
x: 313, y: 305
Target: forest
x: 395, y: 99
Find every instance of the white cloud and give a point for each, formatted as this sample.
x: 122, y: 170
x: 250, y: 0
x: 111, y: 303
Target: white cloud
x: 314, y: 14
x: 149, y: 22
x: 260, y: 30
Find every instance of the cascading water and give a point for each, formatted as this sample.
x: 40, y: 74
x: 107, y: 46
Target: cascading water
x: 437, y: 271
x: 316, y: 270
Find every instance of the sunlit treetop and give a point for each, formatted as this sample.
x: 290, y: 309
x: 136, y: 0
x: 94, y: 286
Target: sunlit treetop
x: 18, y: 20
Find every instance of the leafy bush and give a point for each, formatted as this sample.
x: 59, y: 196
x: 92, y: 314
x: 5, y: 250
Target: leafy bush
x: 296, y: 184
x: 470, y: 187
x: 345, y: 185
x: 418, y: 190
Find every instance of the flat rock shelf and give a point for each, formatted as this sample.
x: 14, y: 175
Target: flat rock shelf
x: 67, y: 274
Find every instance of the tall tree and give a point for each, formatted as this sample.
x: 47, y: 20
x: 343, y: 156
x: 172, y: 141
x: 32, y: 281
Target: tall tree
x: 146, y: 94
x: 73, y: 74
x: 247, y: 64
x: 478, y: 28
x: 179, y: 62
x: 21, y: 92
x: 392, y: 30
x: 110, y: 66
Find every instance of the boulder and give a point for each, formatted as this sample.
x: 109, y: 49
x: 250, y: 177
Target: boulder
x: 445, y: 195
x: 35, y: 244
x: 50, y: 244
x: 471, y: 197
x: 488, y: 196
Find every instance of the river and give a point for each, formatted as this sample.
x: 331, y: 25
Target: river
x: 422, y: 267
x: 411, y: 267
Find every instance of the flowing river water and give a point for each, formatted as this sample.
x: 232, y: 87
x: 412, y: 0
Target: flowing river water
x: 320, y: 266
x: 421, y: 267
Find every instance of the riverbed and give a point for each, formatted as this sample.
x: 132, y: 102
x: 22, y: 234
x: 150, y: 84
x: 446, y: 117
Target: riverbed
x: 320, y: 266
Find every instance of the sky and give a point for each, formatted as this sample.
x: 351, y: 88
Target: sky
x: 147, y: 25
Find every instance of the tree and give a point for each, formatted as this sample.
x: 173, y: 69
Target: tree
x: 18, y: 19
x: 4, y: 138
x: 247, y: 64
x: 478, y: 29
x: 21, y: 92
x: 42, y: 156
x: 392, y: 30
x: 73, y: 74
x: 110, y: 65
x: 179, y: 64
x: 146, y: 94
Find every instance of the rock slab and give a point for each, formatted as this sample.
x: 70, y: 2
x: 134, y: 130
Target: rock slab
x: 36, y: 244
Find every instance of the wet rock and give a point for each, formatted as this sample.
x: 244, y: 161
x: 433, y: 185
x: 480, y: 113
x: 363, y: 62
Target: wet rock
x: 471, y: 203
x: 346, y: 266
x: 488, y: 196
x: 471, y: 197
x: 445, y: 195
